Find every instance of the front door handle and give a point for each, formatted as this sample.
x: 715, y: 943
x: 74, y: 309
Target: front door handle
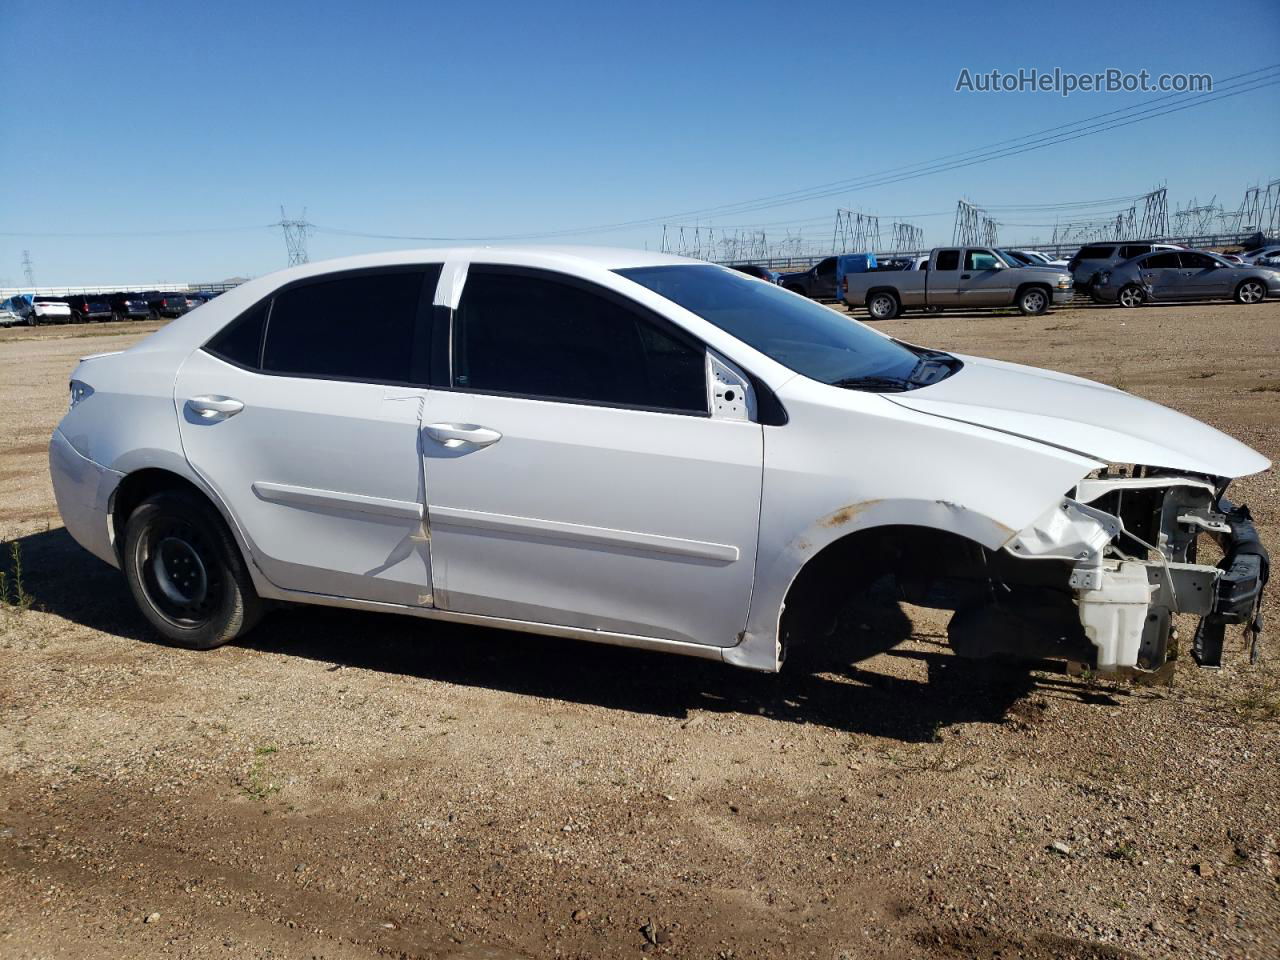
x: 210, y: 407
x: 456, y: 434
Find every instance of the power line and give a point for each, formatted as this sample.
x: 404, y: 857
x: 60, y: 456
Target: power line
x: 27, y: 270
x: 1089, y: 126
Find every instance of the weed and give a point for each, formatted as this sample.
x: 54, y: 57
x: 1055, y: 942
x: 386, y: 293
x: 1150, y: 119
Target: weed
x: 256, y: 785
x: 265, y: 751
x: 13, y: 588
x: 1124, y: 850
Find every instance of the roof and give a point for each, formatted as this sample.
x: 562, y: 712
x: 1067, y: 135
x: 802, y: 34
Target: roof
x: 607, y: 258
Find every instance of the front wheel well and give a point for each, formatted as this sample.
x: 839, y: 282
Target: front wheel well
x: 846, y: 568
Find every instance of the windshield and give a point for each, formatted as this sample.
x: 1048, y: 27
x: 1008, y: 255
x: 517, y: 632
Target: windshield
x: 1015, y: 259
x: 802, y: 335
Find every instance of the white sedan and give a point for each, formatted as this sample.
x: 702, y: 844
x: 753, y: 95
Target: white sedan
x: 640, y: 449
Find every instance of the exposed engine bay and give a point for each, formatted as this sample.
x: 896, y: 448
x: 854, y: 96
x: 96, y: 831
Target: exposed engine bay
x: 1097, y: 579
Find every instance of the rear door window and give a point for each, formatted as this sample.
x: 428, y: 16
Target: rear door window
x: 948, y: 260
x: 360, y: 327
x: 1161, y: 261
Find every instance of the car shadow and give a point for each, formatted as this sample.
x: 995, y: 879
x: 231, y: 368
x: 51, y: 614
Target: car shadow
x: 830, y: 683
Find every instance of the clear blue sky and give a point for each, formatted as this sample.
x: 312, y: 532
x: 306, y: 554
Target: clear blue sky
x: 449, y: 119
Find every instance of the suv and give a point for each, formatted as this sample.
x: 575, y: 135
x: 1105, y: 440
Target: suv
x: 1091, y: 260
x: 129, y: 306
x: 167, y: 304
x: 818, y: 282
x: 88, y: 307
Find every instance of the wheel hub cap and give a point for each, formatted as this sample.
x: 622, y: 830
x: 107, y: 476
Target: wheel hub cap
x: 179, y: 572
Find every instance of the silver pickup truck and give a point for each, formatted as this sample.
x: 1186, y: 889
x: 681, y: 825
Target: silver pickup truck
x: 958, y: 278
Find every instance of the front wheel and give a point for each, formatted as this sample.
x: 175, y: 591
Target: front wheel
x: 185, y: 572
x: 1251, y: 291
x: 883, y: 306
x: 1033, y: 302
x: 1132, y: 296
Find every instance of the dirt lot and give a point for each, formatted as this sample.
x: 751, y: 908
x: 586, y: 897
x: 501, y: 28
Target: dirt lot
x: 351, y: 786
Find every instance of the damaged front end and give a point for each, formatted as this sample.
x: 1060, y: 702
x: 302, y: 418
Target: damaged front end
x: 1129, y: 538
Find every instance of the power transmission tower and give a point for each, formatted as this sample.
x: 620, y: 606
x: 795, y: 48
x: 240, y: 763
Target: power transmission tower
x: 855, y: 231
x: 972, y: 226
x: 27, y: 270
x: 1155, y: 215
x: 907, y: 237
x: 295, y: 236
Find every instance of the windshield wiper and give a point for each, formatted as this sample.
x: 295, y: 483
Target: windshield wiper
x: 891, y: 383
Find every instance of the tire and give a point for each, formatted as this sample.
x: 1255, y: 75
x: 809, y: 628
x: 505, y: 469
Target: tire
x: 883, y: 306
x: 1131, y: 295
x: 932, y: 309
x: 1033, y: 301
x: 155, y: 314
x: 794, y: 289
x: 186, y: 573
x: 1251, y: 291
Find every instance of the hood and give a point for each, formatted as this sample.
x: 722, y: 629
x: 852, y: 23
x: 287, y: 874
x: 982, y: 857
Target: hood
x: 1082, y: 416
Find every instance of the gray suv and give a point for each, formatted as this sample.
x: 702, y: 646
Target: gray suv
x: 1185, y: 275
x: 1092, y: 259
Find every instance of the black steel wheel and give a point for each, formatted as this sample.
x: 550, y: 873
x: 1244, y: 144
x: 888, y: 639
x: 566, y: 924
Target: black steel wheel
x: 185, y: 572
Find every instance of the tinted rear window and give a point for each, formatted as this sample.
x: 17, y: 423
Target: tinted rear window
x: 240, y: 342
x: 1095, y: 253
x: 361, y: 327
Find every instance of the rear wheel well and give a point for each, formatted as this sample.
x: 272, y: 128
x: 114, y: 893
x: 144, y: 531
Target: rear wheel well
x: 140, y: 485
x: 892, y: 291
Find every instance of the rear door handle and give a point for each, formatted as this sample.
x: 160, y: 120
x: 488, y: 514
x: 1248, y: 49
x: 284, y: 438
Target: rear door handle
x: 965, y: 276
x: 210, y: 407
x: 456, y: 434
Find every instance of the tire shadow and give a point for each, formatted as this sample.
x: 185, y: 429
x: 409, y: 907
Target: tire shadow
x: 829, y: 683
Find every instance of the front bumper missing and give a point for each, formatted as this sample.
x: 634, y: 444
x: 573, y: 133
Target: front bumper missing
x: 1129, y: 630
x: 1237, y: 593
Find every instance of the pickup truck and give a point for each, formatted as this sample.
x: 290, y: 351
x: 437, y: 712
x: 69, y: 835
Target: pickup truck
x: 958, y: 278
x: 824, y: 280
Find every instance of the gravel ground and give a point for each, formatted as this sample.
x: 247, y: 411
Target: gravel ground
x: 350, y: 785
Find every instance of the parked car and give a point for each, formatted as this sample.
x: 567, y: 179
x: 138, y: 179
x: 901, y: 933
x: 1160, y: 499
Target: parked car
x: 958, y: 277
x: 167, y: 304
x: 708, y: 465
x: 1258, y: 254
x: 129, y: 306
x: 9, y: 314
x: 85, y: 307
x: 1091, y: 260
x: 40, y: 309
x: 817, y: 283
x: 1185, y: 275
x: 757, y: 271
x: 1041, y: 259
